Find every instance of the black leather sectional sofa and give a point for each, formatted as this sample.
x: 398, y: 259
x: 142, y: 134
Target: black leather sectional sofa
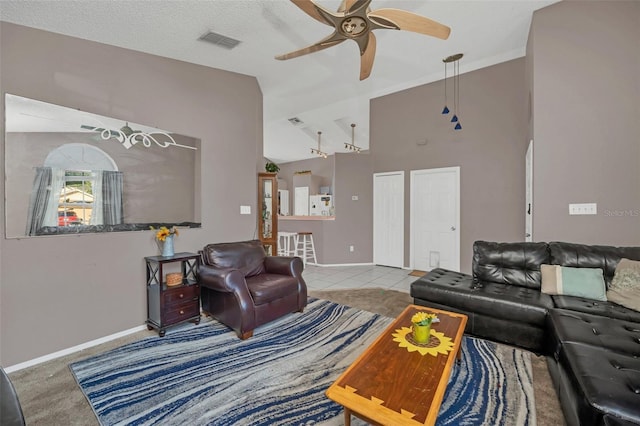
x: 592, y: 347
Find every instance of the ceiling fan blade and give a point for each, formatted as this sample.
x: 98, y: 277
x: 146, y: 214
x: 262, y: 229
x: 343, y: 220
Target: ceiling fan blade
x: 311, y: 9
x: 367, y: 57
x: 409, y: 21
x: 321, y: 45
x: 348, y: 6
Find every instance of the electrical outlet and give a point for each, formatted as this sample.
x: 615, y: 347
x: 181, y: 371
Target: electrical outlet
x: 245, y: 209
x: 354, y: 198
x: 351, y: 249
x: 583, y: 208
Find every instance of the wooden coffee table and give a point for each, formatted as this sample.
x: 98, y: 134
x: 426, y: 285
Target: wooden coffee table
x: 396, y: 381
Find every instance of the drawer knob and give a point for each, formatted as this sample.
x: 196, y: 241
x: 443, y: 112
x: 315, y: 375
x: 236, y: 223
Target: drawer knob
x: 181, y: 312
x: 181, y: 296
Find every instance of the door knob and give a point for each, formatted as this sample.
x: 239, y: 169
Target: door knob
x: 453, y: 228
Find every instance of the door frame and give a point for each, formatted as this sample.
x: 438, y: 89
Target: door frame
x: 412, y: 218
x: 373, y: 252
x: 528, y: 181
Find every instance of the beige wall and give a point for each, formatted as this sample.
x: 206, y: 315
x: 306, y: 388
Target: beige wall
x: 586, y: 86
x: 489, y: 149
x: 353, y: 225
x: 44, y: 308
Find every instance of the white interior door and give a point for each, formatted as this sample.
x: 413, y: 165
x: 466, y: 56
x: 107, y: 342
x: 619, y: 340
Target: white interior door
x: 528, y: 224
x: 388, y: 219
x: 435, y: 219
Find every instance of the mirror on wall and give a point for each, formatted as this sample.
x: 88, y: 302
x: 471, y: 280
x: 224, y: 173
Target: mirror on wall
x: 72, y: 172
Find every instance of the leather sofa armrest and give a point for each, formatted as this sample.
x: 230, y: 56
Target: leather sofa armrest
x: 226, y: 280
x: 284, y: 265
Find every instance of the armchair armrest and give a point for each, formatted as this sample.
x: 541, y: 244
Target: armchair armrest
x: 226, y: 280
x: 284, y: 265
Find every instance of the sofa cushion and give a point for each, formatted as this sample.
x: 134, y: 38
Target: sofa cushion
x: 607, y: 383
x: 269, y: 287
x: 580, y: 282
x: 509, y: 263
x: 601, y: 359
x: 625, y: 286
x: 584, y: 256
x: 495, y: 300
x: 246, y: 256
x: 600, y: 332
x: 605, y: 309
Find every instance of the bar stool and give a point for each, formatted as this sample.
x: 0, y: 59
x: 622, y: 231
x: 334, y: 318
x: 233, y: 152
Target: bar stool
x: 287, y: 243
x: 305, y: 248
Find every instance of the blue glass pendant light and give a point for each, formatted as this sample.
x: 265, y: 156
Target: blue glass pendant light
x: 445, y: 110
x: 456, y: 88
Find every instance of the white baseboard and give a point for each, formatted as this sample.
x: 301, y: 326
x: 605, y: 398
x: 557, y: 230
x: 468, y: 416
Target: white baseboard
x: 73, y: 349
x: 322, y: 265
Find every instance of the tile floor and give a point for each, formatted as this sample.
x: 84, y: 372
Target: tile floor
x: 360, y: 276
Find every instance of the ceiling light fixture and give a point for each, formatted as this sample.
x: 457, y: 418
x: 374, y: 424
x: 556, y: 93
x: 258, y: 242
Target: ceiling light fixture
x: 318, y: 152
x: 351, y: 146
x: 456, y: 87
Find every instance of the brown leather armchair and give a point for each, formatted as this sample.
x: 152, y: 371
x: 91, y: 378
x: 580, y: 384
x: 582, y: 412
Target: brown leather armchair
x: 244, y: 288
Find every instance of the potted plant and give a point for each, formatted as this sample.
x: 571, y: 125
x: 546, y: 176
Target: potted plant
x: 271, y: 167
x: 422, y: 326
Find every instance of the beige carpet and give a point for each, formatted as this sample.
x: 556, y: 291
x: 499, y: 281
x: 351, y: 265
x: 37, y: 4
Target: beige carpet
x: 50, y: 396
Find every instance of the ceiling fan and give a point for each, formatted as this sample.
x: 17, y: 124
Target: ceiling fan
x: 355, y: 21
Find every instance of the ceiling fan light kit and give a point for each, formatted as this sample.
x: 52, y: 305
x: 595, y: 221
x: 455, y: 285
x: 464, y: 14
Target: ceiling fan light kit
x: 455, y: 60
x: 355, y: 21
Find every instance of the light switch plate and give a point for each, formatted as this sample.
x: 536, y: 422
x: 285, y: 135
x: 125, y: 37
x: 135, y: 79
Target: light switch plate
x: 354, y: 198
x: 245, y: 209
x: 583, y: 208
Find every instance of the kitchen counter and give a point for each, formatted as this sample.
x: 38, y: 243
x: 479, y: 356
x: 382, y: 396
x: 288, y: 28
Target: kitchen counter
x: 306, y: 218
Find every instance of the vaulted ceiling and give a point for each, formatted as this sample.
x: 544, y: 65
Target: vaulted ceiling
x: 321, y: 89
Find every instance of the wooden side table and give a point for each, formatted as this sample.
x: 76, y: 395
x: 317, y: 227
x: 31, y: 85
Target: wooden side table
x: 171, y: 305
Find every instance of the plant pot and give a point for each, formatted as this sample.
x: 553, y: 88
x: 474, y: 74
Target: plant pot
x: 167, y: 246
x: 421, y: 333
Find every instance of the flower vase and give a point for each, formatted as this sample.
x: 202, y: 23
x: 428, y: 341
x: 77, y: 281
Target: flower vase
x: 167, y: 246
x: 421, y: 333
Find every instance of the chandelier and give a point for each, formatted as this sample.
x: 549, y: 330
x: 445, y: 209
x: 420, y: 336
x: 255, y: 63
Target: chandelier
x: 318, y: 152
x: 456, y: 88
x: 351, y: 146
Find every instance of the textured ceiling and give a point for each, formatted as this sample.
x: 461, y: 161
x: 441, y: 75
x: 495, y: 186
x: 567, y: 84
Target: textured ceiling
x: 323, y: 88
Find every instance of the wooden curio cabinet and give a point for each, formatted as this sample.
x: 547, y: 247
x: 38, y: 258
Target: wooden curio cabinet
x: 268, y: 212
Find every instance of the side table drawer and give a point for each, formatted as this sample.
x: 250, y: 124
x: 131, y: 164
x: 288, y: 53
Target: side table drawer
x: 181, y: 294
x: 182, y: 311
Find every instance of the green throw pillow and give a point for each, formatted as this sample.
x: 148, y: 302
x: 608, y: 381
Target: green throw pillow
x: 625, y: 286
x: 579, y: 282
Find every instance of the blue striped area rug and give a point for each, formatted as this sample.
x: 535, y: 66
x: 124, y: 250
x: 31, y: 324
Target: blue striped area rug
x: 205, y: 375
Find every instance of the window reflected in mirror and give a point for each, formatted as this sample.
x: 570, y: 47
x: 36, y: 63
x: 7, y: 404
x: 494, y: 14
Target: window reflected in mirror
x: 69, y: 171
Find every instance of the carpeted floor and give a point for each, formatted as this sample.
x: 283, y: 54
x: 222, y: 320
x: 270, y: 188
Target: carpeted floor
x: 50, y: 396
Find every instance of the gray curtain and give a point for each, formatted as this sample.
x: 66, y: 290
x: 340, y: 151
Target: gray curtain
x: 39, y: 199
x: 112, y: 209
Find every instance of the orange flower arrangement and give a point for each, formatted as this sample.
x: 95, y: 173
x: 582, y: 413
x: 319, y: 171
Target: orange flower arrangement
x: 164, y: 232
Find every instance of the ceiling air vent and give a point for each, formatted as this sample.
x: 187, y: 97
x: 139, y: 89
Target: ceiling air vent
x: 295, y: 121
x: 220, y: 40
